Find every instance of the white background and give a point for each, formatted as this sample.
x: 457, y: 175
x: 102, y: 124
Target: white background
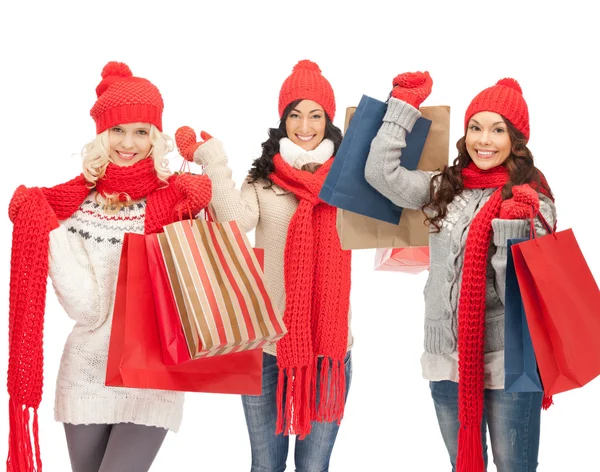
x: 219, y: 66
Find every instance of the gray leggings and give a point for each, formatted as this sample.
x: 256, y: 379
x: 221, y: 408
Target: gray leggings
x: 122, y: 447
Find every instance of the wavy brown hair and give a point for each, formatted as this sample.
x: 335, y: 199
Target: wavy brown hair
x: 263, y: 166
x: 519, y: 164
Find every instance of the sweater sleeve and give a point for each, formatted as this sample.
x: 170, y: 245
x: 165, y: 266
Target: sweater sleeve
x: 512, y: 229
x: 405, y: 188
x: 228, y: 203
x: 73, y: 279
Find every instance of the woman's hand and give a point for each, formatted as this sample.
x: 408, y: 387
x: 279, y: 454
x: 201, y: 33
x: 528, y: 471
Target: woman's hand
x: 412, y: 87
x: 185, y: 139
x: 524, y: 201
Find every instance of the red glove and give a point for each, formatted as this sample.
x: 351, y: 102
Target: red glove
x: 185, y: 139
x: 197, y: 192
x: 412, y: 87
x: 523, y: 202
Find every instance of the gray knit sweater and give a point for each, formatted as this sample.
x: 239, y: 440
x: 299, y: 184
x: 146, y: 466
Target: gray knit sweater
x: 410, y: 189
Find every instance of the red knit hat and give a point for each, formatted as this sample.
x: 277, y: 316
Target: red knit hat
x: 506, y: 99
x: 306, y: 83
x: 123, y: 98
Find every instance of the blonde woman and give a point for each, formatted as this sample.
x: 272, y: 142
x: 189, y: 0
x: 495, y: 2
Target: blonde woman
x: 74, y: 232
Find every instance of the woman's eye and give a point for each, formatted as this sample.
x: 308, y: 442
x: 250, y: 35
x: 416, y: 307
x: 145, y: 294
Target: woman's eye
x: 316, y: 117
x: 116, y: 130
x: 499, y: 130
x: 142, y: 132
x: 474, y: 128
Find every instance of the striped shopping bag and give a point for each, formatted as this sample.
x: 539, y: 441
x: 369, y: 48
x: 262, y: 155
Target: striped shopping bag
x: 209, y: 290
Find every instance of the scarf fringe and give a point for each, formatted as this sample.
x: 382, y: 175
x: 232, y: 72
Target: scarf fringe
x: 470, y: 452
x: 20, y: 446
x: 332, y: 392
x: 547, y: 402
x: 296, y: 412
x: 294, y: 416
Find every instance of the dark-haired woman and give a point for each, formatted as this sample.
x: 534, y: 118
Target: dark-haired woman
x: 473, y: 207
x: 306, y: 375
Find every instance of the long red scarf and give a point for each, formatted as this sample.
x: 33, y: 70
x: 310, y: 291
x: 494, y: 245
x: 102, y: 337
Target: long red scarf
x: 471, y: 316
x: 34, y: 212
x: 317, y: 287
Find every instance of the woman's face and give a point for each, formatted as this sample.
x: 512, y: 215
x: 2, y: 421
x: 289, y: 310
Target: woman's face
x: 487, y: 140
x: 305, y: 124
x: 129, y: 143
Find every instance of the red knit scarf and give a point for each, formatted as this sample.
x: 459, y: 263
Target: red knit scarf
x: 317, y: 282
x: 34, y: 212
x: 471, y: 317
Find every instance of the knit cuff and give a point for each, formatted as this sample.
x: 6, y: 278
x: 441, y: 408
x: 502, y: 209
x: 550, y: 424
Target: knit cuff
x: 509, y: 229
x: 439, y: 340
x: 401, y: 113
x: 210, y: 152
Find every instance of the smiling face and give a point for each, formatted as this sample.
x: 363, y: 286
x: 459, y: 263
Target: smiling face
x: 487, y: 140
x: 129, y: 143
x: 305, y: 124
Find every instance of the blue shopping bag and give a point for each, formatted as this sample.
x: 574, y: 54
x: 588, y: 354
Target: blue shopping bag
x: 520, y: 367
x: 345, y: 186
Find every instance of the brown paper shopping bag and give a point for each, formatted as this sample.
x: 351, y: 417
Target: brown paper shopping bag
x: 361, y: 232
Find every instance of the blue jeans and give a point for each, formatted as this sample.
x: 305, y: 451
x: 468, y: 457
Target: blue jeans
x: 270, y: 450
x: 513, y: 420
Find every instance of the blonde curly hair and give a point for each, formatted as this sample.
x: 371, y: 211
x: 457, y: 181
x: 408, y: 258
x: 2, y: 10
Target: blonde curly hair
x: 96, y: 157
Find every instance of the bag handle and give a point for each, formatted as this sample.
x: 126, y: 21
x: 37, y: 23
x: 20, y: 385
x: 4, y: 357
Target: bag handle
x: 538, y: 214
x: 185, y: 169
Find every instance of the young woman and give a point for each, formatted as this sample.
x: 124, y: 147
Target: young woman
x: 474, y: 206
x: 74, y: 233
x: 306, y: 376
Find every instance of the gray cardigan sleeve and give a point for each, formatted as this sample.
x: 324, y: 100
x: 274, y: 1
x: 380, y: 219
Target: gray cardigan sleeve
x: 511, y: 229
x: 384, y: 172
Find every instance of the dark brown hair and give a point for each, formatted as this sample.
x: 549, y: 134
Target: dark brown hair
x: 520, y: 168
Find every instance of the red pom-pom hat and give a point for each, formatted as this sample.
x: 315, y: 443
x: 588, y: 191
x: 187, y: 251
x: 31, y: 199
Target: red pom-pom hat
x: 307, y: 83
x: 506, y: 99
x: 123, y: 98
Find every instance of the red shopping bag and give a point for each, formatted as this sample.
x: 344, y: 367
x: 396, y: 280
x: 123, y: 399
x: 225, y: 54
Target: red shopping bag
x: 411, y: 260
x: 135, y: 356
x: 562, y: 305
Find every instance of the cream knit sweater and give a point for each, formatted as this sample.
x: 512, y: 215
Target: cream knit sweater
x: 269, y: 210
x: 84, y: 262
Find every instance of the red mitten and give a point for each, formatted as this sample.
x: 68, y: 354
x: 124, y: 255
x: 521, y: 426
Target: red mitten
x: 412, y: 87
x: 185, y: 139
x: 520, y: 206
x: 197, y: 192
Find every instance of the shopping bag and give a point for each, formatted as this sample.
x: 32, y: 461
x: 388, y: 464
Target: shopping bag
x: 345, y: 186
x: 357, y: 231
x: 562, y: 305
x: 209, y: 287
x: 135, y: 354
x: 411, y: 260
x: 520, y: 367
